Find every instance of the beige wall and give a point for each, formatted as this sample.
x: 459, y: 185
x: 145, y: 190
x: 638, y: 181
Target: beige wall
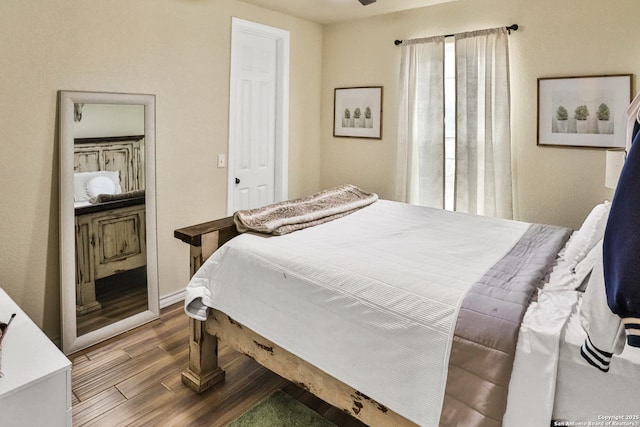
x: 556, y: 38
x: 179, y: 51
x: 175, y: 49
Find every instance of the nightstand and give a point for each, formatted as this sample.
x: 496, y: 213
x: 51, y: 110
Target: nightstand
x: 36, y: 387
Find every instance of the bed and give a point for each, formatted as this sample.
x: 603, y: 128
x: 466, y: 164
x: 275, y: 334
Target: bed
x: 109, y: 205
x: 351, y: 320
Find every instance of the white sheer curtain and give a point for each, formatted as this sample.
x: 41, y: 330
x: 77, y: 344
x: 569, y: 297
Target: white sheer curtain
x: 420, y: 159
x: 483, y: 131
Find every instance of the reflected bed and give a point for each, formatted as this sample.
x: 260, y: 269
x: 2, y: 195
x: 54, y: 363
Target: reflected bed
x: 109, y: 205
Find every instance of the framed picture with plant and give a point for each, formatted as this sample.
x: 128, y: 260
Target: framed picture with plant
x: 584, y: 111
x: 357, y: 112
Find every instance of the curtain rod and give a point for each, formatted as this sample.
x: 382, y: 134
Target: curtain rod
x: 510, y: 28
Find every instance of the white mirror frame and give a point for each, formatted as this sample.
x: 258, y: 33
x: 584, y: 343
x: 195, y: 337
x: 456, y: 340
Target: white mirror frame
x: 71, y: 342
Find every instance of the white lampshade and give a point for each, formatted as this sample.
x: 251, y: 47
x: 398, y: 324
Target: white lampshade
x: 613, y: 167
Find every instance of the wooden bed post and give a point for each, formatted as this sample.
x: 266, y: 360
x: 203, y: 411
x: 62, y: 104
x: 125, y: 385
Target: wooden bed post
x: 203, y: 370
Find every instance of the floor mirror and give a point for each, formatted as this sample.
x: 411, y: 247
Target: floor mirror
x: 108, y: 252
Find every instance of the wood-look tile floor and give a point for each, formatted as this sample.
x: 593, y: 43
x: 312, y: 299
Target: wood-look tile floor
x: 134, y: 380
x: 121, y: 296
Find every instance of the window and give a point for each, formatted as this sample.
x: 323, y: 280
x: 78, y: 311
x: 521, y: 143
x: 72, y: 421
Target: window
x: 463, y: 84
x: 449, y: 122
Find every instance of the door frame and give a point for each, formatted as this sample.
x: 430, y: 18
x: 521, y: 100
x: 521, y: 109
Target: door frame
x: 281, y: 182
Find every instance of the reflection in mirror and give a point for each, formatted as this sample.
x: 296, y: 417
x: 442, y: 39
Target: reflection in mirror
x: 107, y: 215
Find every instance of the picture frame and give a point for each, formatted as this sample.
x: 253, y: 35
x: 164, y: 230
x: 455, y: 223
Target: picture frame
x: 584, y: 111
x: 364, y: 102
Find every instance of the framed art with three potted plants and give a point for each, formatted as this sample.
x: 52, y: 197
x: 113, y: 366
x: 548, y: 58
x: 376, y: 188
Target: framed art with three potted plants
x: 584, y: 111
x: 357, y: 112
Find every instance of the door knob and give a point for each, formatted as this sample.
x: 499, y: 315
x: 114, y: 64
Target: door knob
x: 237, y: 180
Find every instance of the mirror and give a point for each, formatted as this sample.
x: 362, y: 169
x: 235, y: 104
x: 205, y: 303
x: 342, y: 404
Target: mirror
x: 108, y: 254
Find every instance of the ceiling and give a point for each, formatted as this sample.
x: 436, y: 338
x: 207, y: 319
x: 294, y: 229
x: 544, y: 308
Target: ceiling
x: 330, y: 11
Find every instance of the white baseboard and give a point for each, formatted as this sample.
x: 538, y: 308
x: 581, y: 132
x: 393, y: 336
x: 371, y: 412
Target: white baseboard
x: 167, y: 300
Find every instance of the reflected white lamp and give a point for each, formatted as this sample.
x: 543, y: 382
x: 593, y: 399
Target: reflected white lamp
x: 613, y: 166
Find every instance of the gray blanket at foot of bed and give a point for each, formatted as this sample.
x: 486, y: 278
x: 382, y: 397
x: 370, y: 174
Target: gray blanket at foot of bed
x: 486, y: 332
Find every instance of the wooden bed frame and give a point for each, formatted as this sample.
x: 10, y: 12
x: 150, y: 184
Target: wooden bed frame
x: 204, y: 372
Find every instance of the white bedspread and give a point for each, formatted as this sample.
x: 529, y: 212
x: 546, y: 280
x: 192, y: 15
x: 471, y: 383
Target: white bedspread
x: 533, y: 380
x: 368, y: 299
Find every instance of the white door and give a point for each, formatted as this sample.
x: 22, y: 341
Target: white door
x: 257, y: 134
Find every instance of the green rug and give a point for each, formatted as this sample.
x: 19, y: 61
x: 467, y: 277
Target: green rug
x: 280, y: 410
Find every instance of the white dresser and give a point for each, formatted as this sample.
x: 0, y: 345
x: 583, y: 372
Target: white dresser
x: 36, y: 387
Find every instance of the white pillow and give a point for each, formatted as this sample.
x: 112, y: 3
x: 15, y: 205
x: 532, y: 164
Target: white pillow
x: 82, y: 179
x: 100, y: 185
x: 590, y: 233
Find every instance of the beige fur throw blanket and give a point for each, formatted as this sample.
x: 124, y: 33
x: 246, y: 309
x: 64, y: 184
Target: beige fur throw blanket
x: 292, y: 215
